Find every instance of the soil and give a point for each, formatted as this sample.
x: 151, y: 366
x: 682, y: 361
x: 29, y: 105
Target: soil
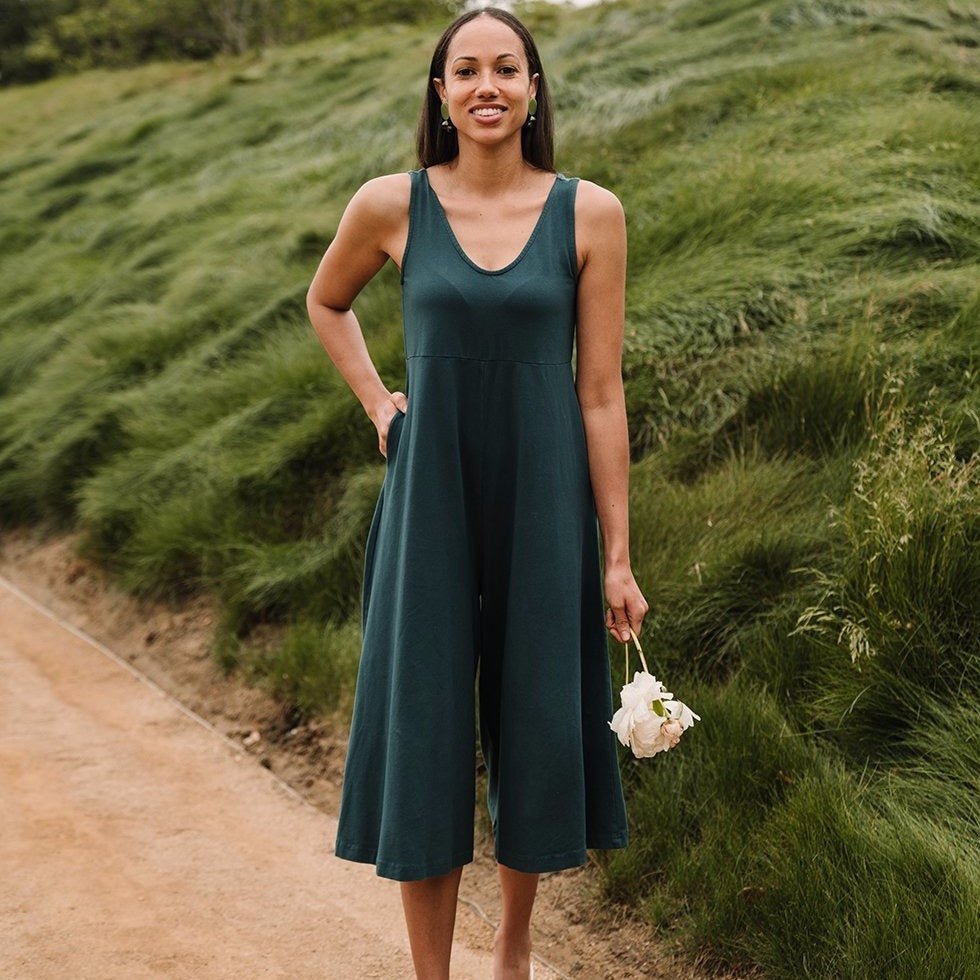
x: 234, y: 875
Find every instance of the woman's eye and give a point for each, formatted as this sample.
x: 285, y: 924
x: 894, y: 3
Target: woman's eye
x: 506, y: 69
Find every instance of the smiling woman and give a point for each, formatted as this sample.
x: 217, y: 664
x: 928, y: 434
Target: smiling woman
x: 519, y: 68
x: 483, y: 583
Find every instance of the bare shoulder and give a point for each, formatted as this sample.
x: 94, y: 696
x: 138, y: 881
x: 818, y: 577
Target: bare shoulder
x: 596, y: 207
x: 382, y: 199
x: 600, y: 224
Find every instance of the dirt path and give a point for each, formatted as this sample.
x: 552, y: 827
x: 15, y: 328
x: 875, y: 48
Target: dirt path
x: 138, y: 842
x: 141, y: 836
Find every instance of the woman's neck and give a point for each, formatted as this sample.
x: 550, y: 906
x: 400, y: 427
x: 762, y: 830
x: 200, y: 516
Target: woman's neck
x: 488, y: 170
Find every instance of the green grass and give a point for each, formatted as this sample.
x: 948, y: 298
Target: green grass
x: 801, y: 367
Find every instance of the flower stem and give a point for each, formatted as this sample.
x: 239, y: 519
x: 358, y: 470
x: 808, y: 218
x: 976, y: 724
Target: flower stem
x: 626, y: 649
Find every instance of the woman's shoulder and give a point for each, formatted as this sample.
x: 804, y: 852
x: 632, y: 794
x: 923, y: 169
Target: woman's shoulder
x: 380, y: 195
x: 595, y: 204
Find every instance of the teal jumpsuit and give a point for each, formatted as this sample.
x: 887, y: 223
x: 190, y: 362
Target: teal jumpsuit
x: 482, y: 575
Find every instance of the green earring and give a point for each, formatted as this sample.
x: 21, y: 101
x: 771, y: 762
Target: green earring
x: 444, y: 110
x: 532, y: 108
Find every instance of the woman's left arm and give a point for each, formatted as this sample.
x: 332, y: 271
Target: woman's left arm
x: 601, y: 244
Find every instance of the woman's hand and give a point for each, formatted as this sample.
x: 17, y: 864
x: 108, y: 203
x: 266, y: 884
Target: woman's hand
x: 382, y: 417
x: 627, y: 607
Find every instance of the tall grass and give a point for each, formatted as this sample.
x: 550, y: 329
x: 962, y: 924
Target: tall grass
x: 903, y: 601
x: 852, y: 886
x: 800, y: 362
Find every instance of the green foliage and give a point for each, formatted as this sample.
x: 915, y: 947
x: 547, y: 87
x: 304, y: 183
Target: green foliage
x: 41, y: 39
x: 310, y: 670
x: 880, y: 889
x: 903, y: 603
x: 800, y: 363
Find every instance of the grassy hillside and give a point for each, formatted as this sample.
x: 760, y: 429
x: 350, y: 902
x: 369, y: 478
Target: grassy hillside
x: 801, y: 361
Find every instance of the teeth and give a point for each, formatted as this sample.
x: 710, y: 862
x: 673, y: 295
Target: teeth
x: 487, y: 112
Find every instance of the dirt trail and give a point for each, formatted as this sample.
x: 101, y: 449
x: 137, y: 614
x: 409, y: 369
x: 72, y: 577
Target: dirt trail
x: 139, y: 843
x: 141, y: 837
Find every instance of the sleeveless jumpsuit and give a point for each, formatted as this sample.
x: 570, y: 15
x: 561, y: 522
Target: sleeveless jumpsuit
x: 482, y: 582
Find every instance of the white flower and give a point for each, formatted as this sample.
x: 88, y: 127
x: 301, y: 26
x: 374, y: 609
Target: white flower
x: 672, y: 732
x: 681, y: 712
x: 650, y: 721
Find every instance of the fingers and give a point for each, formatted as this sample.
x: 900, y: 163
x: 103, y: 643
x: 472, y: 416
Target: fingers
x: 383, y: 436
x: 632, y: 612
x: 618, y: 623
x: 400, y: 401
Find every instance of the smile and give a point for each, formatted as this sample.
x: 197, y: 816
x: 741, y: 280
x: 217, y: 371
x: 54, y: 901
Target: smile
x: 487, y: 111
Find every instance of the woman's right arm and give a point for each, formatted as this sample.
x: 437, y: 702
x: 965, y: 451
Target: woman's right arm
x: 374, y: 228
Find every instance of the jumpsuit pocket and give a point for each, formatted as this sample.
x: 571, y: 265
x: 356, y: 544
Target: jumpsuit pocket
x: 394, y: 430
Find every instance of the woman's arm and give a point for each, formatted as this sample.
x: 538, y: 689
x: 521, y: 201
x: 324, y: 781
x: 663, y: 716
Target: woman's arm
x: 372, y: 229
x: 601, y: 243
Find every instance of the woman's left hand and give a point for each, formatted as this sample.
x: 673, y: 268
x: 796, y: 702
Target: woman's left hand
x: 627, y: 607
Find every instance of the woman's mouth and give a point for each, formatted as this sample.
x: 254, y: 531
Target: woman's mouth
x: 488, y: 111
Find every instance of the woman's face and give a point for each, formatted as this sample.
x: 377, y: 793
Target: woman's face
x: 486, y: 81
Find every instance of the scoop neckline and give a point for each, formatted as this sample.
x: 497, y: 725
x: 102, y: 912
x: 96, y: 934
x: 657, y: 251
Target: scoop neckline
x: 459, y: 248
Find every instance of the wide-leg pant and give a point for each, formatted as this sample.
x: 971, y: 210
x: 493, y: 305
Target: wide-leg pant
x: 482, y: 585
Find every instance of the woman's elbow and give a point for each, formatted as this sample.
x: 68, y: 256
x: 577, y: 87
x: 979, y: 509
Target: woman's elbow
x: 318, y: 305
x: 595, y: 393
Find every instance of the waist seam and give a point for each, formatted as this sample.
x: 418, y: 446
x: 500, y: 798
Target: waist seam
x: 468, y: 357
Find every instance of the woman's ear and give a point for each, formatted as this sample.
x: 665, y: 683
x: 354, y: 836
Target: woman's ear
x: 534, y: 85
x: 440, y: 88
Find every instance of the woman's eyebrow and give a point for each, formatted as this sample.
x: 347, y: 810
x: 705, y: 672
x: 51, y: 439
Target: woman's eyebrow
x: 469, y: 57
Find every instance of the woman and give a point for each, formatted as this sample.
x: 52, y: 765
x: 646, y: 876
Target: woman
x: 483, y: 552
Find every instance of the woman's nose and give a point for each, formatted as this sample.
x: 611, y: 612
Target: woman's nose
x: 488, y: 85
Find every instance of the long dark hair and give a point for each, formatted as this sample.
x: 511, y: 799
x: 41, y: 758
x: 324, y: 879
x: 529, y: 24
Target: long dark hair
x: 438, y: 145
